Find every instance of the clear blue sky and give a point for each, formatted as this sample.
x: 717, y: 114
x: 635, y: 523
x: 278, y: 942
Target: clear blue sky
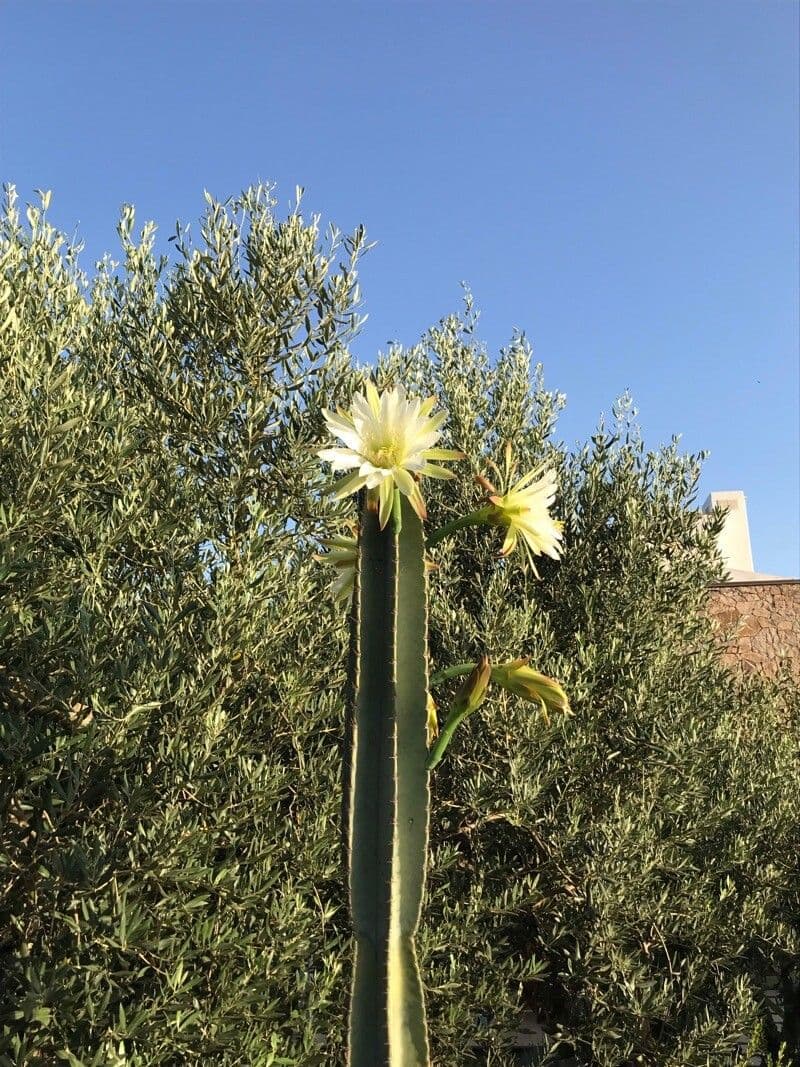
x: 618, y: 179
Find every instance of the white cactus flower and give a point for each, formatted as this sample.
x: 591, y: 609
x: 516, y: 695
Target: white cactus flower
x: 388, y: 441
x: 524, y: 509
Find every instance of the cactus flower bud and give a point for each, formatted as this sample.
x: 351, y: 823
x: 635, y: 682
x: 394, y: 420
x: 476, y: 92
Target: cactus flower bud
x: 517, y: 677
x: 433, y: 722
x: 473, y: 691
x: 342, y: 553
x: 468, y: 699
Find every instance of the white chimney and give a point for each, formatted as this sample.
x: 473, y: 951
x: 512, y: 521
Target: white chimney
x: 734, y: 539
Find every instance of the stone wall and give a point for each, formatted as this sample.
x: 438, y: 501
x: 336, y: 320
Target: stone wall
x: 761, y: 621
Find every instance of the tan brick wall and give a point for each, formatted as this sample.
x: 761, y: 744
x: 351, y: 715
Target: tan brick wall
x: 762, y: 620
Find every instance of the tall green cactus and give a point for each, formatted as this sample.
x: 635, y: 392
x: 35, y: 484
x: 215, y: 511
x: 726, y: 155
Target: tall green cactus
x: 389, y: 441
x: 386, y: 790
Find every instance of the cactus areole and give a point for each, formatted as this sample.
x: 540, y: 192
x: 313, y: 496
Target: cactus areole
x: 386, y: 795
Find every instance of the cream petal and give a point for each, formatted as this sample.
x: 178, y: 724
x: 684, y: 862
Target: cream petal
x: 417, y: 503
x: 542, y: 529
x: 530, y: 537
x: 414, y: 462
x: 378, y: 476
x: 444, y: 453
x: 351, y: 438
x: 386, y: 496
x: 351, y: 484
x: 342, y: 561
x: 405, y: 483
x: 338, y: 416
x: 537, y: 506
x: 540, y: 544
x: 510, y: 542
x: 526, y: 479
x: 338, y: 420
x: 413, y: 409
x: 422, y: 442
x: 530, y: 483
x: 343, y: 586
x: 532, y: 520
x: 362, y: 409
x: 373, y: 398
x: 342, y: 459
x: 388, y: 408
x: 531, y: 560
x: 430, y: 470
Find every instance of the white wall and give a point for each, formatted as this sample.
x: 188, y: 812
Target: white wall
x: 734, y: 540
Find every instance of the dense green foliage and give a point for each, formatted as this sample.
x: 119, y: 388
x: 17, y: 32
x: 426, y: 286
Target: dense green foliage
x: 172, y: 673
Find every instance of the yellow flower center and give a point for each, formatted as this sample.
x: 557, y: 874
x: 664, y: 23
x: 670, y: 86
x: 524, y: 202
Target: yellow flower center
x: 385, y: 456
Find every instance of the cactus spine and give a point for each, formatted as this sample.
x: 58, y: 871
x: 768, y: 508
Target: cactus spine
x: 386, y: 794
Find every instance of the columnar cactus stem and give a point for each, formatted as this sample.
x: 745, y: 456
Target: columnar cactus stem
x: 389, y: 444
x: 387, y: 789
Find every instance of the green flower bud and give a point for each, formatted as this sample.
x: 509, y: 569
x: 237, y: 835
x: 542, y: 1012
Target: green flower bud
x: 473, y: 691
x: 433, y: 722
